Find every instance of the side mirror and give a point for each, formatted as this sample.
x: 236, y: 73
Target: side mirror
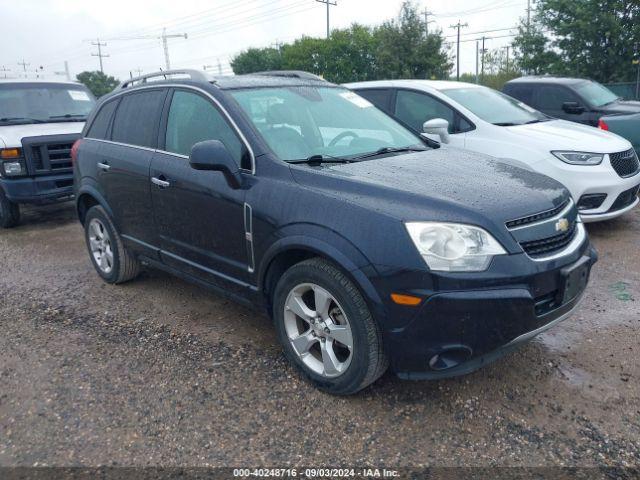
x: 573, y: 107
x: 213, y: 155
x: 437, y: 126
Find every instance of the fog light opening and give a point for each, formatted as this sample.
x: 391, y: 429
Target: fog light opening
x: 591, y: 201
x: 450, y: 357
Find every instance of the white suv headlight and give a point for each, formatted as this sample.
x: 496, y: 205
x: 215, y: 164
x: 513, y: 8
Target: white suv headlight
x: 580, y: 158
x: 452, y: 247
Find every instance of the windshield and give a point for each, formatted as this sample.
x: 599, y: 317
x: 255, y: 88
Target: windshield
x: 494, y: 107
x: 302, y: 122
x: 22, y: 103
x: 595, y: 95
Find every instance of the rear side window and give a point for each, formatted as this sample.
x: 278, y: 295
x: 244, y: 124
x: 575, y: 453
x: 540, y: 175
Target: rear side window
x: 101, y: 122
x: 137, y: 118
x: 381, y: 98
x: 193, y: 119
x: 521, y: 92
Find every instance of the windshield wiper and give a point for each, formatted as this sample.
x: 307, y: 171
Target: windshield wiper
x: 320, y: 159
x: 22, y: 119
x: 383, y: 150
x: 68, y: 115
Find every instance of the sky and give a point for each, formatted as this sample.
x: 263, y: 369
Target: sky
x: 46, y: 33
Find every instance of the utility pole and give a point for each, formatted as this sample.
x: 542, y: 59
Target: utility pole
x: 100, y: 55
x: 477, y: 61
x: 329, y: 3
x: 4, y: 70
x: 219, y: 67
x: 165, y: 45
x: 507, y: 48
x: 458, y: 26
x: 24, y: 67
x: 426, y: 14
x: 483, y: 51
x: 637, y: 62
x: 528, y: 16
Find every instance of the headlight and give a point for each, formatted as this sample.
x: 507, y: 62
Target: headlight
x: 452, y: 247
x: 13, y: 169
x: 580, y: 158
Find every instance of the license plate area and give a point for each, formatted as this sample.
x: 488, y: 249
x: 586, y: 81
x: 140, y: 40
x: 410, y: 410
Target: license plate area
x: 575, y: 278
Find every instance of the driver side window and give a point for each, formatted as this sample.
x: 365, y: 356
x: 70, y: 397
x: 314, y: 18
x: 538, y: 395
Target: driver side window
x: 415, y: 108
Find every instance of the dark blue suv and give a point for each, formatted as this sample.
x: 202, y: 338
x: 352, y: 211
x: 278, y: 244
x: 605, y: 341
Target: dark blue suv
x: 369, y: 246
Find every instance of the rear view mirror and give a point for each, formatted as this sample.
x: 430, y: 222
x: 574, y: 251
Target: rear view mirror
x: 573, y: 107
x: 437, y: 126
x: 213, y: 155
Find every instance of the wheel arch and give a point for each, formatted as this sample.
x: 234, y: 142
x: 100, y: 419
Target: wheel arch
x: 88, y: 197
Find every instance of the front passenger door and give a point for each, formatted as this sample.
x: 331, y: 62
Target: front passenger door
x: 199, y: 217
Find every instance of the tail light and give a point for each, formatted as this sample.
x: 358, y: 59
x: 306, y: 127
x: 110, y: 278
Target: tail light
x: 74, y: 150
x: 602, y: 125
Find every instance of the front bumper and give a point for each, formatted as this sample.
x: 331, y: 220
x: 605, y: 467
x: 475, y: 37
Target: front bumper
x: 38, y: 190
x: 467, y: 321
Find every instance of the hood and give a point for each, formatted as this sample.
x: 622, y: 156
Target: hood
x: 621, y: 106
x: 12, y: 135
x: 444, y: 185
x: 563, y: 135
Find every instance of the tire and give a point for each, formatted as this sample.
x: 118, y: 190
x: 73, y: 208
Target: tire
x: 348, y: 320
x: 9, y: 212
x: 113, y: 262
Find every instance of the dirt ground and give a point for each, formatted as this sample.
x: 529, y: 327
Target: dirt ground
x: 162, y: 372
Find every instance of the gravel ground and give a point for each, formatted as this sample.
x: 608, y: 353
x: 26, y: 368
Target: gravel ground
x: 162, y: 372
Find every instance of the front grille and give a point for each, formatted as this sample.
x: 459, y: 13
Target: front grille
x: 50, y: 158
x: 549, y: 245
x: 625, y: 164
x: 537, y: 217
x: 625, y: 199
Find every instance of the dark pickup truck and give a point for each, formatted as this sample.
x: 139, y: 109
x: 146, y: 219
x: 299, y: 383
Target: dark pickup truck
x: 39, y: 122
x: 579, y: 100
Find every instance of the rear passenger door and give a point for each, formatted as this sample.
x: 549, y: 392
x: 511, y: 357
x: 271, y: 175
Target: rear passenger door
x: 200, y: 218
x: 549, y: 99
x: 123, y: 166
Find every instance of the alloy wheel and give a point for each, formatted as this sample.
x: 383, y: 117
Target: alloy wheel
x: 100, y: 245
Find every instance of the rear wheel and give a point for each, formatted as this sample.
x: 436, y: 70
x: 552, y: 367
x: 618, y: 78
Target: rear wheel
x: 113, y: 262
x: 326, y: 328
x: 9, y: 212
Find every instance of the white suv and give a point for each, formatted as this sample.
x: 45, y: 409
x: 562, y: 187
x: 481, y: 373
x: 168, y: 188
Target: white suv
x: 39, y: 122
x: 600, y: 169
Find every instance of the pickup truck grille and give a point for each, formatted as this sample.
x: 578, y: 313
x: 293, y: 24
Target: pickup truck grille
x: 625, y: 164
x: 49, y: 155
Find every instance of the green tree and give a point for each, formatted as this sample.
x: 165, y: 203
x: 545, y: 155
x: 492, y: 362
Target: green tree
x: 257, y: 60
x: 533, y: 52
x: 593, y: 38
x: 404, y: 50
x: 99, y: 83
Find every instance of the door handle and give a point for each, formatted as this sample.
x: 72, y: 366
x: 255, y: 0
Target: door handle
x: 103, y: 166
x: 159, y: 182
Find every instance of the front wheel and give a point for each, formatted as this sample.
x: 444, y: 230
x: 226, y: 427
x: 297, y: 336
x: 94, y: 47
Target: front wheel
x: 326, y: 328
x: 9, y: 212
x: 113, y: 262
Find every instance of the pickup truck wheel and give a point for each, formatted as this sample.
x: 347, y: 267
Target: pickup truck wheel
x: 326, y: 328
x: 113, y: 262
x: 9, y: 212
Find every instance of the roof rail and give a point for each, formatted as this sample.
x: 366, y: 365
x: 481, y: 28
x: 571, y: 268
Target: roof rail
x: 197, y: 75
x: 291, y: 74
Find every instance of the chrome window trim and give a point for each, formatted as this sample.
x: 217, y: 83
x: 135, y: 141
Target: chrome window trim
x: 224, y: 111
x: 555, y: 218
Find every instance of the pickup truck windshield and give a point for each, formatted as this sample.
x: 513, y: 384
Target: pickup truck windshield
x: 595, y: 95
x: 307, y: 121
x: 23, y: 103
x: 494, y: 107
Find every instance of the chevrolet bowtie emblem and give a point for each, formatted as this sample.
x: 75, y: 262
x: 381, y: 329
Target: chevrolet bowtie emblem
x: 562, y: 225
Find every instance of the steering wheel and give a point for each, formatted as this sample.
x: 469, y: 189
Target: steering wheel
x: 342, y: 135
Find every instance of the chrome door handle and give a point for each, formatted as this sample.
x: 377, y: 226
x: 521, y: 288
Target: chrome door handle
x: 160, y: 183
x: 103, y: 166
